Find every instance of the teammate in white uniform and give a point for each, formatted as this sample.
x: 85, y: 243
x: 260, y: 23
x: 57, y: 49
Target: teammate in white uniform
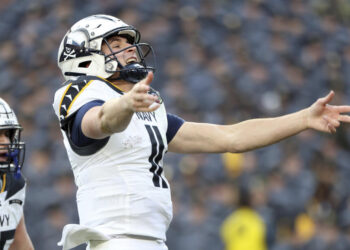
x: 116, y: 131
x: 13, y: 233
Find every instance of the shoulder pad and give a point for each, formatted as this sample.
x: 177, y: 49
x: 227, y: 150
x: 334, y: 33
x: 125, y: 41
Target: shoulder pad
x: 13, y: 185
x: 71, y: 92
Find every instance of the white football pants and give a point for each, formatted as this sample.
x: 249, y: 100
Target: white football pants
x: 127, y: 243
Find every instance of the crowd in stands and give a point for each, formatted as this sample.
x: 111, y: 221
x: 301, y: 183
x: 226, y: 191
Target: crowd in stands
x: 219, y: 61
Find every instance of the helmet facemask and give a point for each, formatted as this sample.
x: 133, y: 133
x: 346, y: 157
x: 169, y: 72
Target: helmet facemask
x: 135, y: 70
x: 12, y: 153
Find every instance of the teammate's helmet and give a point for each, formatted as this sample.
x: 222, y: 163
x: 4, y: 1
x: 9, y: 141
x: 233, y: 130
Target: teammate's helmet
x: 15, y: 150
x: 80, y: 50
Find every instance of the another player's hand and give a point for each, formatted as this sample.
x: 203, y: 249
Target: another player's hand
x: 325, y: 117
x: 138, y: 99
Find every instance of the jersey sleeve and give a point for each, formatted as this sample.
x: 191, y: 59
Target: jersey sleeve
x: 77, y: 135
x: 174, y: 124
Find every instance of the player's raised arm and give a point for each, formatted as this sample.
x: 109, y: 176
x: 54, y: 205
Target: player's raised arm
x: 114, y: 115
x: 255, y: 133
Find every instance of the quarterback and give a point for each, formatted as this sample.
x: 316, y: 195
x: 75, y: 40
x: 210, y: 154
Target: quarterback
x: 13, y: 233
x: 116, y: 131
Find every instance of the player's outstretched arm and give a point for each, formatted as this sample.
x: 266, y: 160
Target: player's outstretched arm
x: 255, y: 133
x: 114, y: 115
x: 21, y: 240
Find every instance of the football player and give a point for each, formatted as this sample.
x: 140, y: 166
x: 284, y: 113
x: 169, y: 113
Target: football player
x: 13, y: 233
x: 116, y: 131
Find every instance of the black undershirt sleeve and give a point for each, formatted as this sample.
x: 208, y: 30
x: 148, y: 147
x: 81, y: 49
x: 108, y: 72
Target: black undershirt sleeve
x: 77, y: 135
x: 174, y: 124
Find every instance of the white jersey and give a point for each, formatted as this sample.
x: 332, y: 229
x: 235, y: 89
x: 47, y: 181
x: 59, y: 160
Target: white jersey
x: 121, y: 187
x: 12, y: 196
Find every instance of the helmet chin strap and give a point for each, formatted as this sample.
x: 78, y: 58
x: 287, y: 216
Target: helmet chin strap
x: 133, y: 73
x: 14, y: 156
x: 12, y: 164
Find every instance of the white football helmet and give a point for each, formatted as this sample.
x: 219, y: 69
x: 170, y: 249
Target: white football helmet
x: 80, y: 50
x: 14, y: 151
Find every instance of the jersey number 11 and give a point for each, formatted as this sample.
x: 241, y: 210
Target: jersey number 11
x: 156, y: 155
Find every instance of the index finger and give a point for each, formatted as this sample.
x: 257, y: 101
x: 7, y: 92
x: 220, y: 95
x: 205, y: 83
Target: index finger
x: 342, y: 108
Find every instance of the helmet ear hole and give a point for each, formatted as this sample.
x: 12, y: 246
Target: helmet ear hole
x: 85, y: 64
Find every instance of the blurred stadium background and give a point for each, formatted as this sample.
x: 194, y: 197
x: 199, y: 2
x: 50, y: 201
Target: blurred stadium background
x: 219, y: 61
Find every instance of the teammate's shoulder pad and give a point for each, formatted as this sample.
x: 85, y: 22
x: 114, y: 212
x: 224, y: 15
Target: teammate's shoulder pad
x: 13, y: 184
